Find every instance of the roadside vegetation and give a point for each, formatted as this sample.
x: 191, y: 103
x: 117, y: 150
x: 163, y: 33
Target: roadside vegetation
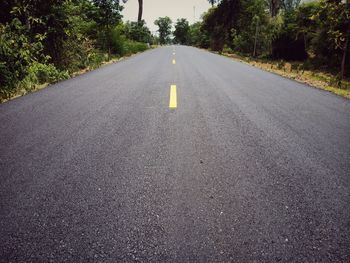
x: 45, y: 41
x: 306, y: 41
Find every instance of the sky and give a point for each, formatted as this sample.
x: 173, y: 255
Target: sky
x: 152, y: 9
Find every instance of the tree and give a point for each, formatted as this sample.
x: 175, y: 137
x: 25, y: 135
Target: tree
x: 274, y: 6
x: 139, y: 17
x: 345, y: 51
x: 219, y: 22
x: 198, y: 37
x: 289, y: 44
x: 108, y: 12
x: 108, y: 15
x: 307, y: 25
x: 182, y: 32
x: 251, y: 34
x: 138, y: 31
x: 164, y: 29
x: 334, y: 18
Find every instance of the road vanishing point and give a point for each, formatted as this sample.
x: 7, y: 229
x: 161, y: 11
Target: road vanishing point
x: 175, y: 155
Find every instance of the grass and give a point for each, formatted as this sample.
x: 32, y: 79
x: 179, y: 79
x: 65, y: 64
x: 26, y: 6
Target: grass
x: 296, y: 70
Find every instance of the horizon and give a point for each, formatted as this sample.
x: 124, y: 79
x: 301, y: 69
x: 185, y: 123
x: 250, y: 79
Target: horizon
x: 152, y: 9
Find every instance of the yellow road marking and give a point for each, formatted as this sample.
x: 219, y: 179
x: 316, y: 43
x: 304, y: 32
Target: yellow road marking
x: 174, y: 61
x: 173, y: 97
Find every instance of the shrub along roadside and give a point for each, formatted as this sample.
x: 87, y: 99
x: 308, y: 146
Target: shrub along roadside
x: 41, y: 75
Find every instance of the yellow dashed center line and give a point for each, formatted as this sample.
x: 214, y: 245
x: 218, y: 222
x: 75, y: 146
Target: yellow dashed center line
x: 173, y: 98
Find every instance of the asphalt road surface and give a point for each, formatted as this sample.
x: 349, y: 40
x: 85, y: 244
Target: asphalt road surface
x: 175, y: 155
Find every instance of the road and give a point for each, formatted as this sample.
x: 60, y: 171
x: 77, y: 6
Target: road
x: 236, y: 165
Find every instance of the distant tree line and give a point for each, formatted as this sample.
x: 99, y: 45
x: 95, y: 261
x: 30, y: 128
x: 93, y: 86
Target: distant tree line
x: 47, y: 40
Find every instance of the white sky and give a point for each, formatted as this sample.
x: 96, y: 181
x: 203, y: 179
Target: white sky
x: 152, y: 9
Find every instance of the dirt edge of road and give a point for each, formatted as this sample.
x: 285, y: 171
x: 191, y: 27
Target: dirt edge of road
x: 320, y: 80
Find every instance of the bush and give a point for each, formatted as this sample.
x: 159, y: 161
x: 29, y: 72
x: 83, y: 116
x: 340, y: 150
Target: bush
x: 122, y: 46
x: 6, y: 79
x: 17, y: 53
x: 39, y: 73
x: 227, y: 49
x: 117, y: 41
x: 95, y: 59
x: 132, y: 47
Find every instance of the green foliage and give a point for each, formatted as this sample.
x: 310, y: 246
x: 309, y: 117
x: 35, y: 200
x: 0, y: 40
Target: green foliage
x: 219, y: 21
x: 282, y: 29
x: 138, y: 31
x: 39, y: 73
x: 132, y: 47
x: 182, y: 32
x: 44, y: 41
x: 121, y: 45
x: 332, y: 18
x: 17, y: 53
x: 198, y: 36
x: 289, y: 44
x: 253, y: 28
x: 107, y: 13
x: 117, y: 40
x: 164, y: 29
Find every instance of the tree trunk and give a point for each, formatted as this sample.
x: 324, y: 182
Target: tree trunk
x: 305, y: 41
x: 256, y: 38
x: 342, y: 72
x: 139, y: 18
x: 274, y: 7
x: 108, y: 38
